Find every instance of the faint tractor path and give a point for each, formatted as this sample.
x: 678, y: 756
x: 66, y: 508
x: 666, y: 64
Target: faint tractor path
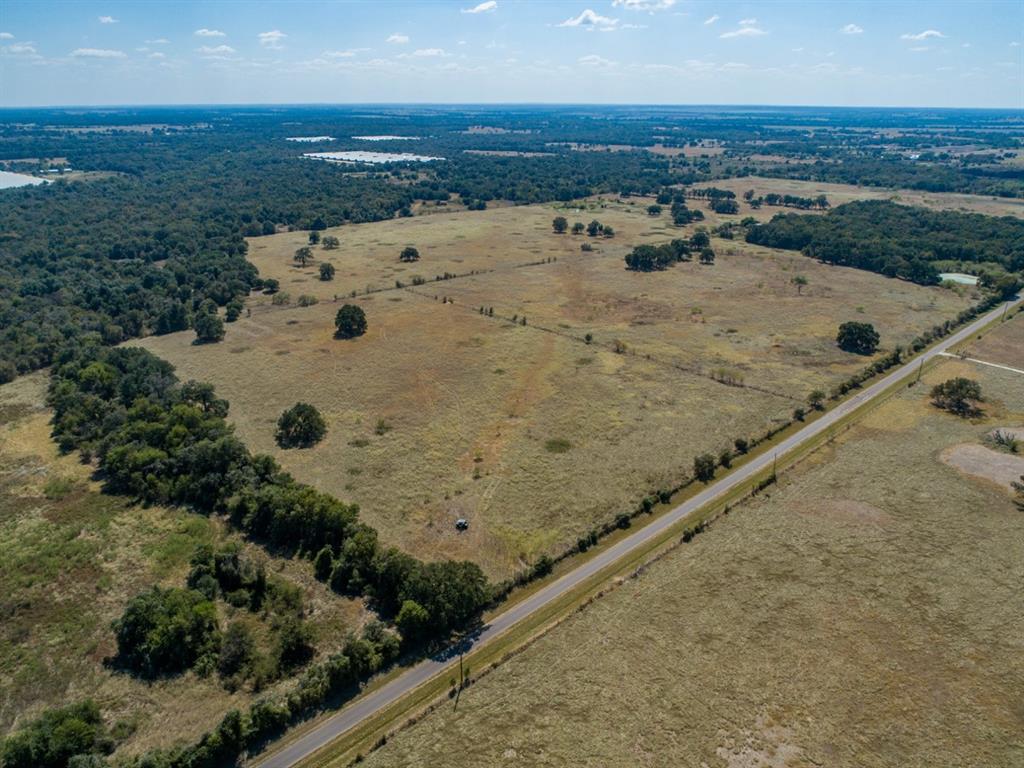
x: 336, y: 725
x: 982, y: 362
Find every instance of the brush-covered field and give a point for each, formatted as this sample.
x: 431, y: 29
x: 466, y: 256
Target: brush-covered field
x: 73, y: 557
x: 865, y: 612
x: 529, y: 431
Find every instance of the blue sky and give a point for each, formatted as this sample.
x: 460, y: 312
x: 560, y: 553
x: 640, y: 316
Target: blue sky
x: 600, y: 51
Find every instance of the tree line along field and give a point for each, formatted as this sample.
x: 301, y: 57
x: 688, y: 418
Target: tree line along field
x: 532, y: 434
x: 73, y: 557
x: 864, y: 612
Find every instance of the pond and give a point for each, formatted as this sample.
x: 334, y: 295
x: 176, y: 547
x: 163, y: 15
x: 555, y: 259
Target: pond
x: 958, y: 277
x: 371, y: 158
x: 386, y: 138
x: 10, y: 180
x: 310, y: 139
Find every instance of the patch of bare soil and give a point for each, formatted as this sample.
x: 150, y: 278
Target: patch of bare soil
x: 767, y: 745
x: 981, y: 462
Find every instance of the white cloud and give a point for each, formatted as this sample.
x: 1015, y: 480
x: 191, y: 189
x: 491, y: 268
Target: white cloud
x: 1015, y: 44
x: 590, y: 20
x: 644, y: 5
x: 919, y: 48
x: 428, y: 53
x: 204, y: 32
x: 108, y: 20
x: 490, y: 5
x: 348, y: 54
x: 158, y: 55
x: 851, y: 29
x: 215, y: 51
x: 593, y: 60
x: 711, y: 20
x: 272, y: 39
x: 922, y: 35
x: 6, y: 36
x: 747, y: 28
x: 21, y: 49
x: 398, y: 39
x: 158, y: 41
x: 97, y: 53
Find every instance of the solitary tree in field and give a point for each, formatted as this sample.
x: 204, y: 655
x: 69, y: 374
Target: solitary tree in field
x: 577, y: 228
x: 560, y: 225
x: 704, y: 467
x: 608, y: 231
x: 799, y: 281
x: 330, y: 243
x: 350, y: 322
x: 209, y: 328
x: 654, y: 210
x: 707, y: 256
x: 301, y: 426
x: 314, y: 237
x: 859, y: 338
x: 304, y: 255
x: 326, y: 271
x: 700, y: 239
x: 959, y: 396
x: 409, y: 254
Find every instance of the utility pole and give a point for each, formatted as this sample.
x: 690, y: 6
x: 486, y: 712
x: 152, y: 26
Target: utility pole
x: 920, y: 369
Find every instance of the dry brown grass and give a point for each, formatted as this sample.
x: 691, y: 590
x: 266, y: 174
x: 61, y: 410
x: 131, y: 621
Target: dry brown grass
x: 472, y: 401
x: 1004, y: 345
x: 865, y: 613
x: 72, y: 558
x: 844, y: 193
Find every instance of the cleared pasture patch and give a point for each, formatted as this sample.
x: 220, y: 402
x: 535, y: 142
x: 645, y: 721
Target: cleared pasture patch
x: 534, y: 438
x: 864, y: 613
x: 1003, y: 345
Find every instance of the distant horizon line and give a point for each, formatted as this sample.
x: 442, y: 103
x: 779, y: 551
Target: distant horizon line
x: 494, y: 104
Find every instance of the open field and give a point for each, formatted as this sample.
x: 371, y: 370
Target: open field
x: 534, y: 436
x: 72, y: 558
x: 838, y: 194
x: 864, y: 613
x: 1004, y: 345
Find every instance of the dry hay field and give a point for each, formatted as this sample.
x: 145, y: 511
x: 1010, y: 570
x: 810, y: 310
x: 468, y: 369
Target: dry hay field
x: 72, y: 558
x: 865, y: 613
x: 838, y: 194
x: 1003, y: 346
x: 527, y: 431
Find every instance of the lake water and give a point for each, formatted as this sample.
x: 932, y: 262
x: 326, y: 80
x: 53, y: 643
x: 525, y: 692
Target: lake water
x: 386, y: 138
x: 958, y: 277
x: 310, y: 139
x: 371, y: 158
x: 10, y: 180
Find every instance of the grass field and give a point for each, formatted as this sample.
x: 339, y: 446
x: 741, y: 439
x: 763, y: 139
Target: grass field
x: 838, y: 194
x: 72, y: 558
x: 863, y: 613
x: 532, y: 434
x: 1004, y: 345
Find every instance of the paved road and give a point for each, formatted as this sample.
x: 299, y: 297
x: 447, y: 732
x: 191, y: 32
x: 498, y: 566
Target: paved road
x: 347, y: 718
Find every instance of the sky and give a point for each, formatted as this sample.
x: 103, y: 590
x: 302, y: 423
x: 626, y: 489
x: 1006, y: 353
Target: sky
x: 935, y: 54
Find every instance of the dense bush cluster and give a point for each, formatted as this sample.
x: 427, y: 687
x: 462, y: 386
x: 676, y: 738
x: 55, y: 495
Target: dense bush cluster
x: 170, y: 444
x: 653, y: 258
x: 897, y: 240
x: 75, y: 732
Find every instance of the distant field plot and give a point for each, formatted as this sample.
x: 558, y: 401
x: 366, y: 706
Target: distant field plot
x: 1004, y: 345
x: 838, y: 194
x: 72, y: 558
x: 439, y: 413
x: 535, y: 436
x: 865, y: 613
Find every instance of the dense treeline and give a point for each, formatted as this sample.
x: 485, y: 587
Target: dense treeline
x: 170, y: 444
x: 897, y: 240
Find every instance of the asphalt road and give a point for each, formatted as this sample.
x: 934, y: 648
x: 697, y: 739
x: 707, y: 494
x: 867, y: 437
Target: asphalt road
x: 353, y: 714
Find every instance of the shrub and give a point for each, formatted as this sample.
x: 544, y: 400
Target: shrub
x: 409, y: 254
x: 704, y: 467
x: 301, y: 426
x: 209, y: 328
x: 56, y: 736
x: 327, y: 271
x: 742, y: 446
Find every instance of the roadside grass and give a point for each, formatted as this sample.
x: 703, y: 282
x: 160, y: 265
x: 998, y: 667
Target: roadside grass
x: 72, y: 558
x: 831, y: 620
x: 471, y: 400
x: 1004, y: 345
